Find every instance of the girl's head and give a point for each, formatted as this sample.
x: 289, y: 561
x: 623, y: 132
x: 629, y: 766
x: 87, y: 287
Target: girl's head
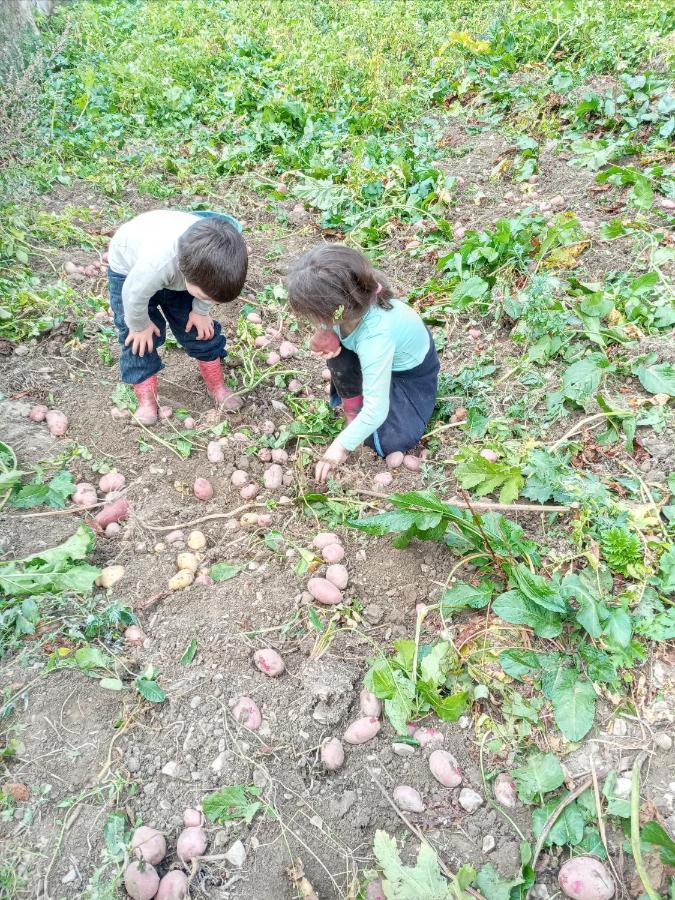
x: 332, y: 283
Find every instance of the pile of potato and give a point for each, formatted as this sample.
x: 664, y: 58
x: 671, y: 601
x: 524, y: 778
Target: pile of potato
x: 149, y: 846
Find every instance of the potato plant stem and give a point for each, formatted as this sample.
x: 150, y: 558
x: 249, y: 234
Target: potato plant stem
x: 635, y: 828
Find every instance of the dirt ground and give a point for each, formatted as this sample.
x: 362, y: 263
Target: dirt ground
x: 85, y: 749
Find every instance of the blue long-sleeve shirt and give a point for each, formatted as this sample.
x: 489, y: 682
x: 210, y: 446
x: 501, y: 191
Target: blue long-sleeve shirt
x: 385, y: 341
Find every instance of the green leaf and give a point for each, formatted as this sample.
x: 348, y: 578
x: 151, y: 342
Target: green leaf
x: 460, y: 595
x: 568, y: 828
x: 468, y: 291
x: 55, y: 571
x: 111, y: 684
x: 114, y: 836
x: 53, y: 494
x: 591, y: 843
x: 538, y: 589
x: 583, y: 587
x: 492, y: 886
x: 424, y: 879
x: 450, y: 708
x: 516, y: 609
x: 542, y: 773
x: 87, y: 658
x: 476, y: 473
x: 667, y: 571
x: 616, y: 806
x: 573, y: 698
x: 435, y: 664
x: 582, y: 379
x: 232, y: 802
x: 223, y: 571
x: 657, y: 378
x: 189, y: 653
x: 654, y: 833
x: 148, y: 688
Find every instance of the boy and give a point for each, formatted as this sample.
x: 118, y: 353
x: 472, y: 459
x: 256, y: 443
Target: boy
x: 169, y: 267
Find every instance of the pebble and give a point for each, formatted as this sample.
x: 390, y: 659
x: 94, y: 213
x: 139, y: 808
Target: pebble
x: 236, y: 855
x: 195, y: 702
x: 464, y: 722
x: 171, y: 769
x: 470, y: 800
x: 220, y: 762
x: 133, y: 764
x: 663, y: 741
x: 373, y: 613
x: 69, y: 877
x: 489, y: 843
x: 620, y: 729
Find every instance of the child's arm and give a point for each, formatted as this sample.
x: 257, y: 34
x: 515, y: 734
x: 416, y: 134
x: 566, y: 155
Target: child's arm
x: 376, y: 357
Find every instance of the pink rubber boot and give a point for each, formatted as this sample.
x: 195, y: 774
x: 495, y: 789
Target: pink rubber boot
x: 351, y: 406
x: 146, y: 394
x: 212, y: 373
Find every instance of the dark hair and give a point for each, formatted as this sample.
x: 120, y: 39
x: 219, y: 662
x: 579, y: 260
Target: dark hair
x: 332, y: 277
x: 212, y: 255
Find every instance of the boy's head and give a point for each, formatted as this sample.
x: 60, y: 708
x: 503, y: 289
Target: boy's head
x: 213, y: 260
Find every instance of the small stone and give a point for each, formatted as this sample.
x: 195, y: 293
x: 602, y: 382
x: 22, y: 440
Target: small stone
x: 620, y: 729
x: 489, y: 843
x: 539, y: 892
x: 21, y: 350
x: 317, y: 822
x: 171, y: 769
x: 236, y: 855
x: 470, y: 800
x: 373, y: 613
x: 133, y: 764
x: 70, y: 876
x: 464, y: 722
x: 195, y: 702
x: 220, y: 762
x: 663, y: 741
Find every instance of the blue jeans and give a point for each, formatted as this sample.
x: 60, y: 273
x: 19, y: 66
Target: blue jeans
x: 166, y: 307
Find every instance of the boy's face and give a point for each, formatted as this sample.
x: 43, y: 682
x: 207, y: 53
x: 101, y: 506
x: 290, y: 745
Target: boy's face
x: 197, y: 292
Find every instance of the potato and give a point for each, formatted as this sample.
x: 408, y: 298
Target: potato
x: 268, y: 427
x: 505, y: 790
x: 279, y: 456
x: 181, y: 580
x: 85, y: 495
x: 273, y: 477
x: 295, y: 386
x: 325, y: 340
x: 369, y: 704
x: 332, y: 754
x: 324, y: 538
x: 214, y: 452
x: 362, y: 730
x: 338, y: 575
x: 187, y: 561
x: 110, y: 576
x: 255, y: 318
x: 264, y: 454
x: 408, y: 799
x: 189, y: 423
x: 428, y: 737
x: 269, y: 662
x: 113, y: 481
x: 475, y: 333
x: 239, y: 478
x: 173, y: 886
x: 249, y: 491
x: 202, y: 489
x: 141, y: 880
x: 324, y: 591
x: 273, y: 358
x: 383, y: 479
x: 287, y: 350
x: 192, y: 818
x: 175, y: 536
x: 445, y: 768
x: 333, y: 553
x: 248, y: 519
x: 585, y: 878
x: 57, y: 422
x: 264, y: 520
x: 196, y: 540
x: 326, y: 374
x: 375, y: 891
x: 394, y: 460
x: 458, y: 232
x: 134, y: 634
x: 412, y: 463
x: 112, y: 530
x: 70, y: 267
x: 490, y: 455
x: 274, y: 333
x: 38, y: 413
x: 204, y: 580
x: 261, y: 342
x: 247, y: 714
x: 149, y: 844
x: 191, y: 843
x: 117, y: 511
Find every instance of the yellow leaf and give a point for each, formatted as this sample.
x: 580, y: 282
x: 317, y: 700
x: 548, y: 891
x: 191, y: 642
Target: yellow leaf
x: 566, y: 257
x: 466, y: 40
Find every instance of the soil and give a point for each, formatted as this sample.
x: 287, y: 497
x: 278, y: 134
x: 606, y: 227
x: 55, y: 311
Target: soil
x: 84, y: 750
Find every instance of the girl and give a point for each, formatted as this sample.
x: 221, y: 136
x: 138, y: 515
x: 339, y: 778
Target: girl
x: 384, y: 371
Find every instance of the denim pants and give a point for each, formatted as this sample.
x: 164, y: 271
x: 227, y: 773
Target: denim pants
x: 166, y: 307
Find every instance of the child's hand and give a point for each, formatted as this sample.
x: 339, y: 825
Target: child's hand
x: 327, y: 355
x: 334, y: 456
x: 141, y: 341
x: 202, y: 324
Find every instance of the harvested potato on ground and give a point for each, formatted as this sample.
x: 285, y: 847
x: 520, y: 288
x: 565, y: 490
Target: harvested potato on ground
x: 445, y: 768
x: 332, y: 754
x: 408, y: 799
x: 38, y: 413
x: 191, y: 843
x: 269, y: 662
x: 203, y: 489
x: 110, y: 576
x: 324, y: 591
x: 192, y: 818
x: 273, y: 477
x: 505, y: 790
x: 113, y: 481
x: 196, y: 539
x: 187, y: 561
x: 333, y: 553
x: 173, y: 886
x: 85, y: 495
x: 117, y: 511
x: 57, y: 422
x: 394, y: 460
x: 247, y: 714
x: 149, y: 844
x: 428, y: 736
x: 249, y: 491
x: 585, y: 878
x: 279, y: 456
x: 214, y: 452
x: 362, y: 730
x: 239, y: 478
x: 338, y: 575
x: 181, y: 580
x: 273, y: 358
x: 383, y: 479
x: 141, y: 880
x: 412, y: 463
x: 324, y: 538
x: 369, y: 704
x: 287, y: 350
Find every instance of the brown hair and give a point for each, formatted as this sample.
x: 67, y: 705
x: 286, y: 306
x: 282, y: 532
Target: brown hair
x: 333, y: 277
x: 213, y: 255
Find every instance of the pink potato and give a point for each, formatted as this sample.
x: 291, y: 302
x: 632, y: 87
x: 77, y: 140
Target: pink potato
x: 287, y: 350
x: 113, y: 481
x: 337, y: 575
x: 134, y: 634
x: 247, y: 714
x: 333, y: 553
x: 324, y: 591
x: 295, y: 386
x: 505, y: 790
x: 490, y: 455
x: 445, y: 768
x: 239, y: 478
x: 369, y: 704
x: 255, y: 318
x: 475, y: 333
x: 332, y: 754
x: 264, y: 520
x: 192, y: 818
x: 141, y: 880
x: 189, y: 423
x: 268, y: 427
x: 273, y: 358
x: 274, y: 333
x: 149, y: 844
x: 112, y: 530
x: 173, y: 886
x: 428, y: 737
x: 265, y: 454
x: 279, y: 456
x: 249, y: 491
x: 383, y: 479
x: 375, y: 891
x: 585, y: 878
x: 269, y: 662
x: 394, y: 460
x: 326, y: 374
x: 85, y: 495
x: 261, y: 342
x: 273, y: 477
x: 57, y: 422
x: 408, y: 799
x: 324, y: 538
x: 214, y: 452
x: 38, y: 413
x: 191, y: 843
x: 202, y: 489
x: 362, y: 730
x: 117, y: 511
x: 325, y: 340
x: 70, y: 268
x: 412, y: 463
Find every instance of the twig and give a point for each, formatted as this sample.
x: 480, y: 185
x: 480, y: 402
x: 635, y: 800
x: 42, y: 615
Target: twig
x: 601, y: 820
x: 418, y: 834
x: 443, y: 428
x: 486, y: 505
x: 210, y: 518
x: 578, y: 427
x: 635, y: 828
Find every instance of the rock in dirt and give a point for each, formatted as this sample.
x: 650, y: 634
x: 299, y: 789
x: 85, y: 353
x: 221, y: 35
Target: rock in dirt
x: 489, y: 843
x: 339, y: 808
x: 236, y: 855
x: 373, y: 614
x: 663, y: 741
x: 172, y: 769
x: 470, y: 800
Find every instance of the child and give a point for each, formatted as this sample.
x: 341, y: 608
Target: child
x: 168, y: 266
x: 385, y: 369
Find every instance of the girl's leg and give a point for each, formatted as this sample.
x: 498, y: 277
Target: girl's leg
x: 346, y: 382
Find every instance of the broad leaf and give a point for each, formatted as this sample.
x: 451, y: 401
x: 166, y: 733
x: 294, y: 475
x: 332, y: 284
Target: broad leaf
x: 657, y: 378
x: 232, y: 802
x: 516, y: 609
x: 189, y: 653
x: 568, y: 828
x: 55, y: 571
x: 538, y: 589
x: 542, y: 773
x: 573, y: 699
x: 492, y: 886
x: 223, y: 571
x: 582, y: 379
x: 401, y: 882
x: 654, y: 833
x: 148, y: 688
x: 460, y: 595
